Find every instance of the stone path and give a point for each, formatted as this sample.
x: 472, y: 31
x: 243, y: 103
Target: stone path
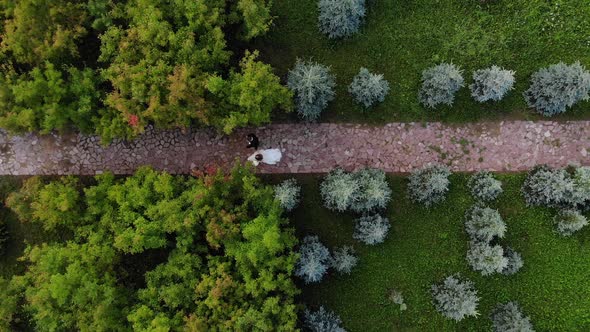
x: 311, y: 148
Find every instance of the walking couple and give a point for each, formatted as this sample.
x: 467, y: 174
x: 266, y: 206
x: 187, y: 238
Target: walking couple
x: 267, y: 156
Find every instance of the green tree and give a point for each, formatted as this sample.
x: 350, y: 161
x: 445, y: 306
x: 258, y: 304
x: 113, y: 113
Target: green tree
x: 38, y: 31
x: 73, y: 287
x: 248, y: 97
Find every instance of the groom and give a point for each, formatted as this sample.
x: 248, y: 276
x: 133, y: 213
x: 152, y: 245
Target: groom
x: 252, y: 141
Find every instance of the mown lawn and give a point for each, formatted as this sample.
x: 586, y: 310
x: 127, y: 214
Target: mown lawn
x: 424, y: 246
x: 402, y: 38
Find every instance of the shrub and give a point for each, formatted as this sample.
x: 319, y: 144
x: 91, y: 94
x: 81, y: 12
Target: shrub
x: 557, y: 87
x: 547, y: 187
x: 368, y: 89
x: 455, y: 298
x: 343, y: 259
x: 287, y: 193
x: 486, y: 258
x: 569, y: 221
x: 484, y: 223
x: 313, y: 262
x: 514, y: 261
x: 508, y: 318
x: 371, y: 229
x: 491, y: 83
x: 340, y: 18
x: 322, y: 320
x: 339, y: 190
x: 581, y: 179
x: 374, y: 192
x: 397, y: 298
x: 429, y: 185
x: 484, y: 187
x: 313, y: 85
x: 439, y: 85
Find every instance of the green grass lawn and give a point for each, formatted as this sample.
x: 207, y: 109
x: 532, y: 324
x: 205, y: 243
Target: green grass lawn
x: 424, y: 246
x: 402, y: 38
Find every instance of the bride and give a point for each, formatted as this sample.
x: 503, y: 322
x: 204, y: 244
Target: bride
x: 267, y: 156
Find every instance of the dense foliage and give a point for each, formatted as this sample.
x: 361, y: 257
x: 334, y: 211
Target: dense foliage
x: 288, y: 194
x: 486, y: 258
x: 313, y: 86
x: 455, y: 298
x: 484, y: 187
x: 112, y: 67
x: 340, y: 190
x: 371, y: 229
x: 514, y: 262
x: 314, y: 260
x: 484, y: 224
x: 340, y: 18
x: 557, y: 87
x: 322, y: 320
x: 570, y: 221
x: 367, y: 88
x: 343, y: 259
x: 491, y: 84
x: 508, y: 318
x: 157, y: 252
x: 429, y: 185
x: 439, y: 85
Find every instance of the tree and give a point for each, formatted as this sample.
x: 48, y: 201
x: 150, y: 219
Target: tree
x: 549, y: 187
x: 37, y: 31
x: 374, y: 192
x: 248, y: 97
x: 569, y: 221
x: 314, y: 259
x: 343, y: 259
x: 439, y: 85
x: 515, y: 262
x: 371, y: 229
x: 484, y: 187
x: 73, y: 286
x: 368, y: 89
x: 429, y: 185
x: 483, y: 224
x: 508, y: 318
x: 339, y: 190
x: 288, y: 194
x: 313, y: 86
x: 491, y: 84
x: 557, y: 87
x: 455, y: 298
x: 486, y: 258
x: 340, y: 18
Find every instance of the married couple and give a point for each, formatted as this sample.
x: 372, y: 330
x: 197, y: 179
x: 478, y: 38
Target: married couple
x: 267, y: 156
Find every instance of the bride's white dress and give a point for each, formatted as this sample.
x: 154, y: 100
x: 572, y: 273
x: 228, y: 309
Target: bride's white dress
x: 269, y: 156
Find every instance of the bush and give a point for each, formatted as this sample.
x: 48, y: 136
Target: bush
x: 429, y: 185
x: 547, y: 187
x: 514, y: 261
x: 287, y: 193
x: 371, y: 229
x: 581, y: 179
x: 340, y: 18
x: 508, y: 318
x: 486, y: 258
x: 368, y: 89
x: 340, y: 190
x: 343, y: 259
x: 439, y: 85
x: 558, y: 87
x: 374, y: 192
x: 491, y: 84
x: 484, y: 223
x: 313, y: 85
x: 313, y: 262
x: 484, y: 187
x: 455, y: 298
x: 397, y: 298
x: 322, y: 320
x: 569, y: 221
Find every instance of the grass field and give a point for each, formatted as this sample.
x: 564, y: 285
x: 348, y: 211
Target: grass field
x: 424, y: 246
x: 402, y: 38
